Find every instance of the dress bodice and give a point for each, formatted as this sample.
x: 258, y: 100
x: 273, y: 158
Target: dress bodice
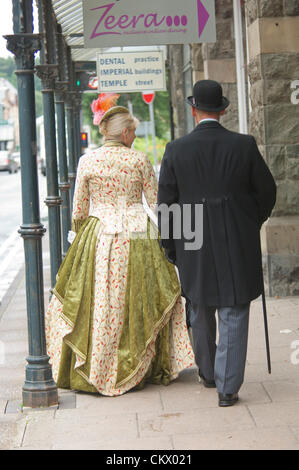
x: 113, y: 180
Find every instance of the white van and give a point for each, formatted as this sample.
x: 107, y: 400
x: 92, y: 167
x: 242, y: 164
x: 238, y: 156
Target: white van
x: 7, y: 163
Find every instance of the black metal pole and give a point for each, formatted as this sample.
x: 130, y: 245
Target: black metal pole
x: 48, y: 72
x: 64, y: 185
x: 71, y: 133
x: 76, y: 115
x: 71, y: 144
x: 77, y: 125
x: 266, y: 330
x: 39, y: 389
x: 172, y: 126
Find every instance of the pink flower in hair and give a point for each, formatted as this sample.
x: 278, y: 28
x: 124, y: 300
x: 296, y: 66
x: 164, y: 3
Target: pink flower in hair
x: 101, y: 105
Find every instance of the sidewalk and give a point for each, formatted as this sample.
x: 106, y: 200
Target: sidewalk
x: 182, y: 416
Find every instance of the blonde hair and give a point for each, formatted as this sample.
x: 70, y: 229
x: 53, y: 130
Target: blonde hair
x: 112, y: 127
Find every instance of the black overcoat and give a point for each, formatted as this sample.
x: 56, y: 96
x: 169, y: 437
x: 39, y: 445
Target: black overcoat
x: 225, y: 172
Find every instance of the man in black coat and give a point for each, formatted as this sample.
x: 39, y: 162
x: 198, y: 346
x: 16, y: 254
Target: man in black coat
x: 218, y: 181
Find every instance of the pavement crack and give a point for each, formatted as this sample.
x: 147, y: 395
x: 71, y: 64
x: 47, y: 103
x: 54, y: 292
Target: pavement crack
x: 161, y: 401
x: 251, y: 415
x: 137, y: 424
x: 23, y: 437
x: 266, y: 391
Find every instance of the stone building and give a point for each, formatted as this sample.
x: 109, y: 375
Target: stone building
x: 9, y: 116
x: 271, y: 45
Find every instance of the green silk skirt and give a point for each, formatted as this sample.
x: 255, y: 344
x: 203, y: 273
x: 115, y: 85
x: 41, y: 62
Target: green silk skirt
x: 152, y: 290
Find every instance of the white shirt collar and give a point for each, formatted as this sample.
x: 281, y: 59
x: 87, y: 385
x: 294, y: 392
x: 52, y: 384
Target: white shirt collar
x: 207, y: 120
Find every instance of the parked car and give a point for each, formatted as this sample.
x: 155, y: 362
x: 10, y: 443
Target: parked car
x: 17, y: 157
x: 43, y: 166
x: 7, y: 162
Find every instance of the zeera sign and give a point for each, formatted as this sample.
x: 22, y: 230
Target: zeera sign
x: 147, y: 22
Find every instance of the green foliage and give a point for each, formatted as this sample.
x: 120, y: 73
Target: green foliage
x: 140, y: 144
x: 7, y: 70
x: 140, y: 110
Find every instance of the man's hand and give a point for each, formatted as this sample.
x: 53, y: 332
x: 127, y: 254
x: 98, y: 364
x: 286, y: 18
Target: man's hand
x: 170, y: 256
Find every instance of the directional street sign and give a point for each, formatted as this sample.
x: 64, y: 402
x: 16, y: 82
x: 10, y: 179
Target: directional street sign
x: 129, y: 72
x: 109, y: 23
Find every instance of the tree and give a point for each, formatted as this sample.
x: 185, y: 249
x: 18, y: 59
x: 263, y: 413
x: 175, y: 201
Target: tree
x: 140, y: 110
x: 7, y: 70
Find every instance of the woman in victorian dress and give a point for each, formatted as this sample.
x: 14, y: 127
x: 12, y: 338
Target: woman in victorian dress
x: 116, y: 318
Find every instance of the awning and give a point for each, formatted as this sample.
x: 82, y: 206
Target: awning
x: 69, y: 14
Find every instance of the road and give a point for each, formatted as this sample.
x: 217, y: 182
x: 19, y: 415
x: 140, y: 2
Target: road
x: 11, y: 244
x: 11, y: 202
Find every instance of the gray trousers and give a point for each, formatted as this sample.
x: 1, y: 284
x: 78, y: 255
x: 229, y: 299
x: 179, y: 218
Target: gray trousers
x: 225, y: 362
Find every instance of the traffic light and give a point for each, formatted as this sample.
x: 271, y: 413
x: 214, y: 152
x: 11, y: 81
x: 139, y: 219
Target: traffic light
x: 84, y: 139
x: 82, y: 81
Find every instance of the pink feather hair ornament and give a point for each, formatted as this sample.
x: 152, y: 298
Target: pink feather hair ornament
x: 101, y: 105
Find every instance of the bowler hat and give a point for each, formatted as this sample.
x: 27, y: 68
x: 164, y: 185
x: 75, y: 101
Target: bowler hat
x: 208, y: 96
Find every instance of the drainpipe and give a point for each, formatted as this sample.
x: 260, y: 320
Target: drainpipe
x: 240, y: 66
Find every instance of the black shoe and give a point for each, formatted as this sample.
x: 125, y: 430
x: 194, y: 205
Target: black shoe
x: 228, y: 399
x: 206, y: 383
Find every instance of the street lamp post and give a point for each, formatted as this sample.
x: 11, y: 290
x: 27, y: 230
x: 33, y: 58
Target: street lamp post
x: 148, y: 98
x: 39, y: 388
x: 48, y: 72
x: 71, y: 133
x: 64, y: 185
x: 240, y: 67
x: 77, y: 124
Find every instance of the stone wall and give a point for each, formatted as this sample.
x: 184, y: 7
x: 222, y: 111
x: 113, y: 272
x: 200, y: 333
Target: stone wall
x: 175, y: 58
x: 215, y: 61
x: 273, y: 35
x: 219, y: 60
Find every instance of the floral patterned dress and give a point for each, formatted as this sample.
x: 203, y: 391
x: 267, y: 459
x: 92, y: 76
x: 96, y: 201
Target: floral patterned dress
x: 116, y: 318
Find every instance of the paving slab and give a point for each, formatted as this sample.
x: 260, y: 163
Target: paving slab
x: 283, y: 391
x: 71, y: 428
x: 278, y: 355
x: 15, y: 324
x: 144, y: 400
x: 275, y: 414
x: 295, y: 430
x: 164, y: 443
x: 194, y: 421
x: 281, y: 371
x: 30, y: 448
x: 11, y: 434
x: 11, y: 335
x: 277, y: 339
x: 13, y: 406
x: 11, y: 382
x: 3, y: 404
x: 16, y: 348
x: 196, y: 396
x: 182, y: 397
x: 282, y: 438
x: 67, y: 401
